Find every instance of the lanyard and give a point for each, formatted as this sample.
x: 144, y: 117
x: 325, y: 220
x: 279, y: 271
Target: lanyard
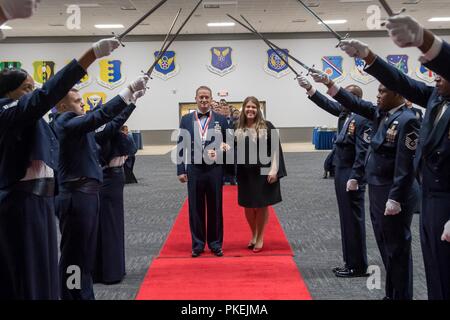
x: 203, y: 128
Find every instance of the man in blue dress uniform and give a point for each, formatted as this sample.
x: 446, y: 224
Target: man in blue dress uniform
x: 432, y: 161
x: 80, y: 176
x: 350, y: 183
x: 28, y: 161
x: 200, y: 150
x: 393, y: 191
x: 114, y: 149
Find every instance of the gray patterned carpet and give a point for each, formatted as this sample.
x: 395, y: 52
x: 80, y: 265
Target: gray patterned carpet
x: 308, y: 215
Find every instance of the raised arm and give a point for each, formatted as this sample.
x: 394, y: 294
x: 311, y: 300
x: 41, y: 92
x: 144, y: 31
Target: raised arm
x: 392, y: 78
x: 319, y: 99
x: 112, y: 127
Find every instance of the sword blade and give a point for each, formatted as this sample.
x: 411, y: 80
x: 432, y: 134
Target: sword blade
x: 337, y: 35
x: 271, y: 47
x: 163, y: 52
x: 271, y: 43
x: 145, y: 16
x: 387, y: 8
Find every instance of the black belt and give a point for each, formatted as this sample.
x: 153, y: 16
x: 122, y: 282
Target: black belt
x: 85, y: 185
x: 44, y: 187
x: 113, y: 169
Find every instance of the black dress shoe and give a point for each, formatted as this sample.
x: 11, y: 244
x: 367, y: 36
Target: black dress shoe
x: 338, y: 269
x: 196, y: 253
x: 351, y: 273
x: 218, y: 252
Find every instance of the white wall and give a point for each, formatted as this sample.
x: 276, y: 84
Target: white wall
x: 287, y: 104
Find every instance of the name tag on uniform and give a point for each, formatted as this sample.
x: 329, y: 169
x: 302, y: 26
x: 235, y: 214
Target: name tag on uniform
x: 391, y: 134
x: 10, y: 105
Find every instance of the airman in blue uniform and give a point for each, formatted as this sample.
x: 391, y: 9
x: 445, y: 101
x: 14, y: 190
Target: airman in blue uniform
x: 350, y: 183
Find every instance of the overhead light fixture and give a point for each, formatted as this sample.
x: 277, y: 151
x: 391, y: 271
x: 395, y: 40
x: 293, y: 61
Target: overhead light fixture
x: 334, y: 21
x: 84, y: 5
x: 109, y: 26
x: 5, y: 27
x: 439, y: 19
x: 221, y: 24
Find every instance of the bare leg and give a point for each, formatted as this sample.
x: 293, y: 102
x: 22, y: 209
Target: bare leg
x: 262, y: 216
x: 250, y: 214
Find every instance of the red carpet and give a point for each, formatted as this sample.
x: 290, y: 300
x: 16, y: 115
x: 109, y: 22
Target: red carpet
x: 240, y: 275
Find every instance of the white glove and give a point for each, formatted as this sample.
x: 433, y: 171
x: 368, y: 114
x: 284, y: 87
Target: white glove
x: 355, y: 48
x: 139, y: 84
x: 446, y: 233
x: 352, y: 185
x: 405, y: 31
x: 16, y: 9
x: 104, y: 47
x: 304, y: 83
x: 320, y: 76
x: 392, y: 208
x: 137, y: 95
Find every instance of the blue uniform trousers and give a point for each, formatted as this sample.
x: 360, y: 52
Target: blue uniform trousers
x: 205, y: 195
x: 393, y: 236
x: 352, y: 220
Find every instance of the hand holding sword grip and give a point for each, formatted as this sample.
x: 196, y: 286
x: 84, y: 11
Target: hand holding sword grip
x: 105, y: 47
x: 118, y: 38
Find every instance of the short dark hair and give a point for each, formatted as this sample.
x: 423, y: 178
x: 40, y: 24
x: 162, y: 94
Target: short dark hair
x: 11, y: 79
x: 203, y: 88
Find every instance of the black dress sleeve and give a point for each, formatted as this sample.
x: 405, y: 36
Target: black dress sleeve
x: 273, y: 135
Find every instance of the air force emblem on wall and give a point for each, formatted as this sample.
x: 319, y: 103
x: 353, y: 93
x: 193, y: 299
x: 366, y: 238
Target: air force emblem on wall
x: 167, y: 67
x: 411, y: 141
x: 43, y: 70
x: 400, y: 61
x: 93, y: 100
x: 425, y: 74
x: 110, y: 74
x: 10, y: 64
x: 333, y: 67
x: 275, y: 66
x: 84, y: 82
x: 359, y: 74
x: 221, y: 61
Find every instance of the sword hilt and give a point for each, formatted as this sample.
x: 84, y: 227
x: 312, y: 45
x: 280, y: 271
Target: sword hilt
x: 342, y: 39
x: 118, y: 39
x: 148, y: 75
x: 310, y: 69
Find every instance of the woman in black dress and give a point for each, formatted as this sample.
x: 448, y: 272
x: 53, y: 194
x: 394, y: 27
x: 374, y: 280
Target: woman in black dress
x: 260, y: 165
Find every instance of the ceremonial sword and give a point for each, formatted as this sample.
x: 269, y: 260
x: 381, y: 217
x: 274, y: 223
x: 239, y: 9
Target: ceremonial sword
x: 165, y: 48
x: 123, y: 34
x: 270, y: 43
x: 336, y: 35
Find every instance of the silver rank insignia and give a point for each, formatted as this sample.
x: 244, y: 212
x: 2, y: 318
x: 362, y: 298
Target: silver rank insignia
x: 217, y: 127
x: 391, y: 134
x: 100, y: 129
x: 351, y: 128
x: 411, y: 141
x: 367, y: 135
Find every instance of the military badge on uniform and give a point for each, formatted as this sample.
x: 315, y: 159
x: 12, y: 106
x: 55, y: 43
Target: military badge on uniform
x: 93, y: 100
x: 10, y: 65
x: 351, y: 128
x: 167, y: 67
x: 412, y: 139
x: 367, y: 135
x: 359, y: 74
x: 275, y: 66
x: 333, y: 67
x: 43, y: 70
x: 391, y: 133
x: 400, y: 61
x: 221, y: 61
x: 425, y: 74
x: 110, y: 74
